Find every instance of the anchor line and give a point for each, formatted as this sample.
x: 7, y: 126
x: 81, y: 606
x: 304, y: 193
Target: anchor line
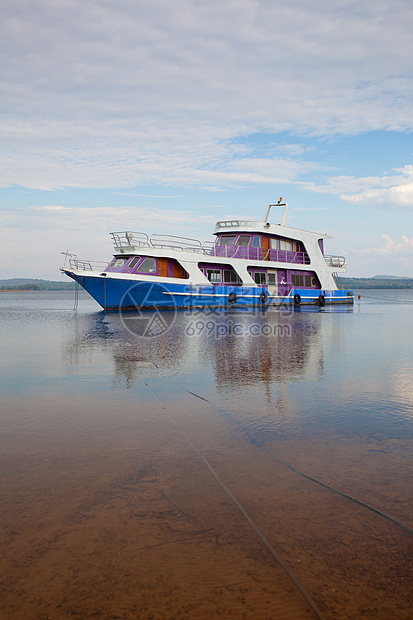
x: 392, y: 301
x: 76, y: 301
x: 300, y: 473
x: 244, y: 513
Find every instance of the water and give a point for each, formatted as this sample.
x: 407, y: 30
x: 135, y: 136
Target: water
x: 165, y: 476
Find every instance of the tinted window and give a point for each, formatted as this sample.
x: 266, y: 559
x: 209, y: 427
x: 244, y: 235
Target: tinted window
x: 134, y: 262
x: 230, y: 276
x: 259, y: 278
x: 119, y: 261
x: 243, y: 240
x: 147, y: 266
x: 226, y: 240
x: 297, y: 280
x: 214, y: 275
x: 255, y: 242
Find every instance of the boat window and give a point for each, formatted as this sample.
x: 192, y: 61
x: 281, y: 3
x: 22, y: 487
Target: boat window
x: 148, y: 265
x: 310, y: 282
x: 296, y: 246
x: 275, y: 244
x: 243, y: 240
x: 214, y: 275
x: 255, y: 241
x: 297, y: 280
x: 119, y: 261
x: 134, y: 262
x: 259, y: 278
x: 226, y: 240
x: 230, y: 276
x: 271, y: 279
x: 286, y: 245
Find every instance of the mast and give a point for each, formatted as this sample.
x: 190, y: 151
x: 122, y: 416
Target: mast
x: 280, y: 203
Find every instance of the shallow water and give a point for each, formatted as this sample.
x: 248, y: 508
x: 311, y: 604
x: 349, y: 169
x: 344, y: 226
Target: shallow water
x: 174, y: 465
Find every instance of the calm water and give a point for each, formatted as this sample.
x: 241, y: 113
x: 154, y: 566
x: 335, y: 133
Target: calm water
x: 158, y: 466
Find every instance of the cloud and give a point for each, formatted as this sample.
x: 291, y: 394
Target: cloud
x: 391, y: 247
x: 175, y: 163
x: 50, y: 208
x: 385, y: 192
x: 79, y: 220
x: 157, y: 91
x: 85, y: 231
x: 136, y: 195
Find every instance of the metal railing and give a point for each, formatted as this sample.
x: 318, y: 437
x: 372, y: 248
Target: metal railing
x: 86, y: 265
x: 172, y: 242
x: 279, y: 256
x: 335, y: 261
x: 127, y: 239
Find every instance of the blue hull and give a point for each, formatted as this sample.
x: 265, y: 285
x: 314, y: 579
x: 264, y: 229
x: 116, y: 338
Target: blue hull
x: 116, y: 294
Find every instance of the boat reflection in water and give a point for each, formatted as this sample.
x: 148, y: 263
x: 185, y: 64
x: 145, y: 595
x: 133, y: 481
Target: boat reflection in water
x: 252, y: 359
x: 238, y: 349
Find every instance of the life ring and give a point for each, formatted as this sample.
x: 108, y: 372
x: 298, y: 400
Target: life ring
x: 264, y: 297
x: 232, y: 298
x: 321, y: 300
x: 297, y: 299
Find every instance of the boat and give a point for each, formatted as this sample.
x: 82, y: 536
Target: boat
x: 250, y: 263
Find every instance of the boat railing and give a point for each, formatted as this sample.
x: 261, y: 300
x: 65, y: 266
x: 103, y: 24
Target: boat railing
x: 208, y: 247
x: 131, y: 239
x: 127, y: 239
x: 86, y: 265
x: 279, y: 256
x: 335, y: 261
x: 173, y: 242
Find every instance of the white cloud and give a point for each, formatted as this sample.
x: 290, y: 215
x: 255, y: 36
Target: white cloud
x: 50, y: 208
x: 385, y: 192
x: 51, y: 229
x: 104, y: 94
x: 56, y: 219
x: 391, y: 247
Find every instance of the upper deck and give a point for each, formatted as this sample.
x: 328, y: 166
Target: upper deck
x: 241, y: 239
x: 265, y: 227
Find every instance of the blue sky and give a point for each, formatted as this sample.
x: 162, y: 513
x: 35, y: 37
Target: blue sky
x: 166, y: 115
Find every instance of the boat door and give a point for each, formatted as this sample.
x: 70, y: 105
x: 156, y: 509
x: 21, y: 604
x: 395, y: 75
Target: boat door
x: 163, y: 267
x: 265, y: 248
x: 272, y: 282
x: 283, y: 288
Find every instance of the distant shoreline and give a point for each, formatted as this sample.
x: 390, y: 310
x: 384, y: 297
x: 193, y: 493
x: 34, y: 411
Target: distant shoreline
x: 376, y: 283
x: 30, y: 284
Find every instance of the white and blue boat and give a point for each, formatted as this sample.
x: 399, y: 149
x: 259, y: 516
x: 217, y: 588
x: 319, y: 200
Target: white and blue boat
x: 251, y: 263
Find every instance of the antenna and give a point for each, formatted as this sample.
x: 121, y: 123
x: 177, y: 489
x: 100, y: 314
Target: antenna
x: 280, y: 203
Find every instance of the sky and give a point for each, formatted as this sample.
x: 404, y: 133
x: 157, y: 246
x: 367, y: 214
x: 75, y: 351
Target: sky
x: 164, y: 116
